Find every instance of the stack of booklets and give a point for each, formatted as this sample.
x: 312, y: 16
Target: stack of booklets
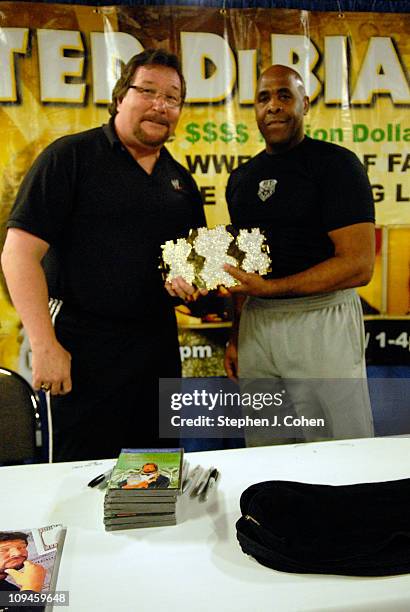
x: 143, y: 489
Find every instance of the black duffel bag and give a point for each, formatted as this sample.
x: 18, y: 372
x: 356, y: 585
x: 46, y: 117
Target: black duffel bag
x: 353, y: 530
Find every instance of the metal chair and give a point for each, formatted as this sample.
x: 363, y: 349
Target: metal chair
x: 20, y: 425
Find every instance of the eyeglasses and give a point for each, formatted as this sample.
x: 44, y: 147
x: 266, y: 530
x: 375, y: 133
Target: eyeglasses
x: 150, y: 94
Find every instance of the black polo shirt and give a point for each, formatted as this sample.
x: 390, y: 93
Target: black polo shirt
x: 297, y: 197
x: 105, y: 219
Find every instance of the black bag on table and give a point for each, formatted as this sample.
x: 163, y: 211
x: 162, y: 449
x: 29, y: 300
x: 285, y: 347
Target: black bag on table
x: 353, y: 530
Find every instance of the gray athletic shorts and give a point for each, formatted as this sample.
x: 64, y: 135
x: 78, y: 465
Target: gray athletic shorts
x: 312, y: 349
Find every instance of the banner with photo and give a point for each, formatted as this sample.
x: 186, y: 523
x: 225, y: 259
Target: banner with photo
x: 58, y: 64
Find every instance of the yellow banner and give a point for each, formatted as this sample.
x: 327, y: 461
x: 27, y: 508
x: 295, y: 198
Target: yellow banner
x: 58, y: 64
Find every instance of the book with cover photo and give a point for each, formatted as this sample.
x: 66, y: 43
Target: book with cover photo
x: 118, y: 497
x: 139, y: 519
x: 150, y: 472
x: 163, y: 522
x: 29, y: 561
x: 134, y: 494
x: 137, y: 508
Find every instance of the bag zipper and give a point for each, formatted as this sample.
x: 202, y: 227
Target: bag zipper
x: 248, y: 517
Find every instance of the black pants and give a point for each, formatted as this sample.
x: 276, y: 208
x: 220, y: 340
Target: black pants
x: 115, y: 371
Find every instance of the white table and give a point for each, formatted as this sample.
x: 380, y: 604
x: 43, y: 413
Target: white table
x: 198, y: 564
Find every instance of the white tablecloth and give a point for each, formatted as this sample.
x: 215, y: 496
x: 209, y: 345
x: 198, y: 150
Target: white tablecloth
x: 198, y: 564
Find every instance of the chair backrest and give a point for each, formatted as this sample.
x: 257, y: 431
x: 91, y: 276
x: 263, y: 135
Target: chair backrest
x: 19, y: 419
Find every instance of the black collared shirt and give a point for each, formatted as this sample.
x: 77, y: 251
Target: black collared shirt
x: 105, y: 219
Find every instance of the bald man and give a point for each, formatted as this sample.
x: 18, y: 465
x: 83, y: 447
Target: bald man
x: 304, y: 321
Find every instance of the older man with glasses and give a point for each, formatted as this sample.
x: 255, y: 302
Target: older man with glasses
x: 92, y: 212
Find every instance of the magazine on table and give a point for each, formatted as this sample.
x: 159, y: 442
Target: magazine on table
x: 29, y: 562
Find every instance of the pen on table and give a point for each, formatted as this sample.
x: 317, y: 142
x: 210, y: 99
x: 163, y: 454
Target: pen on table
x: 189, y: 479
x: 212, y: 480
x: 184, y: 476
x: 204, y: 481
x: 196, y: 479
x: 100, y: 479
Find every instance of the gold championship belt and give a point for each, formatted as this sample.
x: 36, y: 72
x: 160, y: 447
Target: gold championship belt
x: 199, y: 259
